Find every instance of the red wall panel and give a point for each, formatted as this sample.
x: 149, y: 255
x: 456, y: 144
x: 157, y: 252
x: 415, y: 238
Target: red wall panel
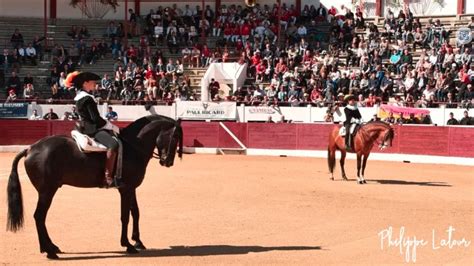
x: 311, y: 137
x: 424, y: 140
x: 272, y: 136
x: 461, y: 142
x: 62, y: 127
x: 201, y: 134
x: 18, y: 132
x: 238, y: 129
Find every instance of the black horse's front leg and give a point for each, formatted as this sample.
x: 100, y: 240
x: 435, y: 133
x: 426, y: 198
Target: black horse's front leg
x: 136, y: 218
x: 126, y: 202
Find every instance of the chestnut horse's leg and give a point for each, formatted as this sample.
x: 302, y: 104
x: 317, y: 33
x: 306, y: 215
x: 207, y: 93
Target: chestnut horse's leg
x: 343, y: 158
x: 44, y: 202
x: 136, y: 217
x: 126, y: 202
x: 331, y: 161
x: 359, y: 180
x: 364, y: 162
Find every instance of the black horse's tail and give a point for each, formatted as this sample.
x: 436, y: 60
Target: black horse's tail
x: 15, y: 199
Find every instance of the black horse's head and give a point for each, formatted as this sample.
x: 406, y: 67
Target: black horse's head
x: 167, y: 144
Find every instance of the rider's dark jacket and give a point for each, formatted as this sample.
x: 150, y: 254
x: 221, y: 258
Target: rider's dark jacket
x: 91, y: 121
x: 351, y: 112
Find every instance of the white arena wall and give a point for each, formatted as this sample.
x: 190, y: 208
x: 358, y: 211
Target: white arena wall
x: 307, y: 114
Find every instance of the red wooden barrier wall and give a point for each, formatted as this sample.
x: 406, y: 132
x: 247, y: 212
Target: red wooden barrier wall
x: 425, y: 140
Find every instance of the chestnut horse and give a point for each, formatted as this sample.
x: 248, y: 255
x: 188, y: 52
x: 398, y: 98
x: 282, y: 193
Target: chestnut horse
x: 366, y: 136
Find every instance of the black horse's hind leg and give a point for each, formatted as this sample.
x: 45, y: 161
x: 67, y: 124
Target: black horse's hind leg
x: 342, y: 161
x: 44, y: 202
x: 136, y: 217
x: 364, y: 163
x: 126, y: 202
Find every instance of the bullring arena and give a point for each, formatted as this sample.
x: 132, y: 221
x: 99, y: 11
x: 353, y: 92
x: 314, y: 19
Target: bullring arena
x: 258, y: 86
x: 232, y: 209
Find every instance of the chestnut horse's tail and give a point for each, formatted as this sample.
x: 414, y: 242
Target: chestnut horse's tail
x: 15, y: 199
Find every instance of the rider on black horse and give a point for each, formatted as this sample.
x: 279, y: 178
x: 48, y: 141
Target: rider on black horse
x: 92, y: 124
x: 353, y: 116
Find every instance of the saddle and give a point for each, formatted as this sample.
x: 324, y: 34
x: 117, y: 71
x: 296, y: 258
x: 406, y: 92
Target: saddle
x: 87, y: 144
x: 353, y: 130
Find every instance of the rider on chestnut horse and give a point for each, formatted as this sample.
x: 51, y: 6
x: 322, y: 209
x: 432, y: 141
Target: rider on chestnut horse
x: 353, y: 116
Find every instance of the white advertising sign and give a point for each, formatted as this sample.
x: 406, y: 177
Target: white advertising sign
x: 207, y: 110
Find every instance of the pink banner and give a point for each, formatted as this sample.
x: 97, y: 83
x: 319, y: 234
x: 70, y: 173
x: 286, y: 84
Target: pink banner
x: 405, y: 110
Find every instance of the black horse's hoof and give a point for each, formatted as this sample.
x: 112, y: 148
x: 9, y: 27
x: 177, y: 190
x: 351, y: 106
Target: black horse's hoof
x: 360, y: 182
x: 57, y: 250
x: 132, y: 250
x: 140, y: 246
x: 52, y: 256
x: 365, y: 182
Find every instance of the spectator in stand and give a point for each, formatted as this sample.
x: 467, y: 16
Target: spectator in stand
x: 5, y: 60
x: 11, y: 96
x: 35, y: 116
x: 28, y: 91
x: 111, y: 114
x: 466, y: 120
x: 51, y: 115
x: 390, y: 119
x: 14, y: 82
x: 452, y: 121
x: 84, y: 33
x: 111, y: 31
x: 214, y: 88
x: 17, y: 39
x: 73, y: 32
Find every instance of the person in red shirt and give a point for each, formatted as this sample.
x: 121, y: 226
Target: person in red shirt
x: 261, y: 69
x: 245, y: 31
x: 227, y: 31
x: 371, y: 100
x: 235, y: 33
x: 150, y: 73
x: 205, y: 55
x: 281, y: 67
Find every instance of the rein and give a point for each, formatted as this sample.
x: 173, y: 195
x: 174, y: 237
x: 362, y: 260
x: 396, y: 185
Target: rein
x: 155, y: 154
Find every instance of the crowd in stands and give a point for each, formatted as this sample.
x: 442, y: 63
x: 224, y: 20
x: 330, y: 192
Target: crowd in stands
x: 376, y: 66
x: 407, y: 63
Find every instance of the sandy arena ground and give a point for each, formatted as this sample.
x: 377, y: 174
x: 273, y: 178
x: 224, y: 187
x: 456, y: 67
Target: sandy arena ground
x: 211, y: 209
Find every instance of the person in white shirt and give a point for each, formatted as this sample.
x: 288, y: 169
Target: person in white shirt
x: 302, y: 31
x: 35, y: 116
x: 30, y: 53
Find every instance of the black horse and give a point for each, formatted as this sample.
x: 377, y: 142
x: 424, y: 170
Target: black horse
x: 54, y: 161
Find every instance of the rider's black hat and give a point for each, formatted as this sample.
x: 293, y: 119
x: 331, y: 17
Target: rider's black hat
x: 77, y: 78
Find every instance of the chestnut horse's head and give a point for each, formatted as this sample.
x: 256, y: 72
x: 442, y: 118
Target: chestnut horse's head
x: 383, y: 133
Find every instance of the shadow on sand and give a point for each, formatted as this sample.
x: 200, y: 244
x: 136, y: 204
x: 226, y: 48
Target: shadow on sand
x: 211, y: 250
x: 399, y: 182
x: 412, y: 183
